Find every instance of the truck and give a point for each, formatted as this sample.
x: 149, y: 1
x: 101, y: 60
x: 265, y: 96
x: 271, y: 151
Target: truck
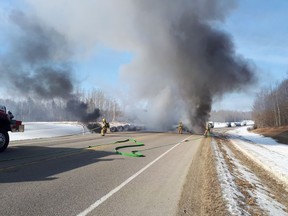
x: 7, y: 123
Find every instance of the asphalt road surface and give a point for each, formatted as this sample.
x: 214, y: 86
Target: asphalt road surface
x: 62, y: 176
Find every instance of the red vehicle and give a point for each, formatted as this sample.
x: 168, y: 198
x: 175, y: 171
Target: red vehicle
x: 7, y: 123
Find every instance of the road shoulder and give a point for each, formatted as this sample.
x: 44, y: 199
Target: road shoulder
x: 201, y: 194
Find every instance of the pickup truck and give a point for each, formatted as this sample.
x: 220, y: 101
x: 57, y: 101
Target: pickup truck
x: 7, y: 123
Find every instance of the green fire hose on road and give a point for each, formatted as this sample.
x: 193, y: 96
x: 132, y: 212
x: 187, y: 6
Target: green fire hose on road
x: 132, y: 153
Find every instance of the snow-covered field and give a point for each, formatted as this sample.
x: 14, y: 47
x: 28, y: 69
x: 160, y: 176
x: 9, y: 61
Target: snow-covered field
x: 244, y: 191
x: 265, y: 151
x: 34, y: 130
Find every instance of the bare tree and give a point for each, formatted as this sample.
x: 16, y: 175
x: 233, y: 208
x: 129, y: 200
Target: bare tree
x: 271, y: 106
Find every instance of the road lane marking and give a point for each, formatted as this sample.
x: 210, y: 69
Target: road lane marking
x: 115, y: 190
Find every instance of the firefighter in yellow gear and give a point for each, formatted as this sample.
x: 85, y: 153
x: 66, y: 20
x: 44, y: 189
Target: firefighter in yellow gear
x: 105, y: 126
x: 208, y: 129
x: 180, y: 128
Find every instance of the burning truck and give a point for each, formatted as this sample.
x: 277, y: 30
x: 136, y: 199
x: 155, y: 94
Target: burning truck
x: 7, y: 123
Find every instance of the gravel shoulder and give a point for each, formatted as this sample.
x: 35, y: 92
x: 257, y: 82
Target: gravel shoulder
x: 258, y: 193
x: 201, y: 194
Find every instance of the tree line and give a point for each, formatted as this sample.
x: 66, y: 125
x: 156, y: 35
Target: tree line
x: 270, y: 108
x: 35, y: 109
x: 229, y: 116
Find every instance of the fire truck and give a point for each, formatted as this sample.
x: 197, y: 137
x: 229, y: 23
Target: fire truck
x: 7, y: 123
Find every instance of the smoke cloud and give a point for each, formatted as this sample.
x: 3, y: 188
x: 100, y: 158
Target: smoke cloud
x: 185, y: 53
x: 36, y: 62
x: 80, y: 110
x: 182, y: 60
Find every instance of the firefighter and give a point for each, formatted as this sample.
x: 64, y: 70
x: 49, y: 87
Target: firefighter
x: 180, y: 128
x: 208, y: 129
x: 105, y: 126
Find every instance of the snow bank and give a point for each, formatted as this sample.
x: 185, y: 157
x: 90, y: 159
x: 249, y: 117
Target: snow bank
x: 34, y: 130
x: 259, y: 192
x: 265, y: 151
x: 227, y: 182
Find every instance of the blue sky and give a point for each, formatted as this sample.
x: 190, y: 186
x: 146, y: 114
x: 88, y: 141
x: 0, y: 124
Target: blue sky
x: 257, y: 28
x: 259, y: 32
x: 102, y: 68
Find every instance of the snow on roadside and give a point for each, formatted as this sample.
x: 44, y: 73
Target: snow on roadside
x: 34, y: 130
x: 229, y: 188
x: 240, y: 185
x: 265, y: 151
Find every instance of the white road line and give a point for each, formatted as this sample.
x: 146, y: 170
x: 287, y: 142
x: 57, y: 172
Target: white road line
x: 105, y: 197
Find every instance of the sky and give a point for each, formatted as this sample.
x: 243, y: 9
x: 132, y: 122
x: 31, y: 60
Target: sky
x: 256, y: 28
x: 259, y: 33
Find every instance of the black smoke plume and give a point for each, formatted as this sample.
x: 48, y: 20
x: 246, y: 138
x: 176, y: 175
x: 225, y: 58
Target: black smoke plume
x: 38, y: 64
x: 36, y: 61
x: 186, y: 54
x: 81, y: 111
x: 208, y: 66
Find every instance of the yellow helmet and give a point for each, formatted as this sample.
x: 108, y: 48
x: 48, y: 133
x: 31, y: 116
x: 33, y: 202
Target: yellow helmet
x: 103, y: 120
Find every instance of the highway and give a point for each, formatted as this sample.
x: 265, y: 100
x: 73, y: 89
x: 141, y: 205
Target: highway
x: 64, y: 176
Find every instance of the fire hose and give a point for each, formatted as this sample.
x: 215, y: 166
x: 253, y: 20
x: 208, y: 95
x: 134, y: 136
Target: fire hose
x: 134, y: 153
